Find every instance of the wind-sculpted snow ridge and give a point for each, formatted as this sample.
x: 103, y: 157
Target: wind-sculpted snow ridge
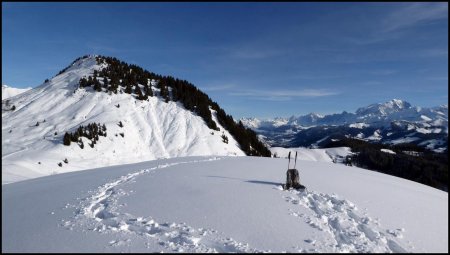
x: 348, y: 229
x: 101, y: 212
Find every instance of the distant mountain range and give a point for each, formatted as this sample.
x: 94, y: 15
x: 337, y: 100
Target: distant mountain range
x: 392, y: 122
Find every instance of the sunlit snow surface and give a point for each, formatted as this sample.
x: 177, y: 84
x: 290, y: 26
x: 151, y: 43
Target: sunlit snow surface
x: 32, y: 135
x: 223, y: 204
x: 8, y: 92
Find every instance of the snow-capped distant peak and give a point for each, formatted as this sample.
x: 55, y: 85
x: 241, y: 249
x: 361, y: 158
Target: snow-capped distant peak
x: 397, y: 103
x: 386, y: 108
x: 251, y: 122
x: 279, y: 121
x: 8, y: 91
x: 316, y: 115
x: 256, y: 123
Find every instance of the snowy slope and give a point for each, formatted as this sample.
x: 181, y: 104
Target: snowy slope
x: 152, y: 129
x: 8, y: 92
x: 223, y: 204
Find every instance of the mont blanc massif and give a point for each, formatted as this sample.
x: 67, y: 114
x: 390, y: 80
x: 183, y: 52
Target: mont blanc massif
x: 168, y: 170
x: 393, y: 122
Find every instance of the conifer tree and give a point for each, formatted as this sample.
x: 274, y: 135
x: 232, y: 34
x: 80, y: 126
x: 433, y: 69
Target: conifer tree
x: 105, y: 82
x: 66, y: 139
x: 83, y: 82
x: 97, y: 85
x: 148, y: 91
x: 128, y: 89
x: 138, y: 92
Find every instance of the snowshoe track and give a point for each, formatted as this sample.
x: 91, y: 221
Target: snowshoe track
x: 349, y: 229
x: 100, y: 213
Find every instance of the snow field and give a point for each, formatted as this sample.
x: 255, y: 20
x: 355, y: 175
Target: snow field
x: 99, y: 213
x: 226, y: 204
x: 347, y: 229
x: 178, y: 237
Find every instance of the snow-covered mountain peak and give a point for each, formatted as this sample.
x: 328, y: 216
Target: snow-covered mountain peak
x: 305, y: 120
x: 250, y: 122
x: 317, y: 115
x: 86, y: 62
x: 383, y: 109
x: 8, y: 91
x: 399, y: 103
x: 69, y: 77
x: 255, y: 123
x: 311, y: 115
x: 279, y: 121
x: 173, y: 119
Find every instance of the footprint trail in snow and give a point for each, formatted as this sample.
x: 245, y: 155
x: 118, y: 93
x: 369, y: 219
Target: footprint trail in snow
x: 100, y: 213
x: 348, y: 229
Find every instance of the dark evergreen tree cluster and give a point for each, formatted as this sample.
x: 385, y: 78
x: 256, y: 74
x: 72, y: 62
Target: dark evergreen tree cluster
x: 89, y: 82
x: 119, y: 76
x: 92, y: 132
x: 224, y: 138
x: 426, y: 167
x: 131, y: 79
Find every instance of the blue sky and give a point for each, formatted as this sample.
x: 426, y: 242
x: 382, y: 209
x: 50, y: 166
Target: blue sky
x: 254, y: 59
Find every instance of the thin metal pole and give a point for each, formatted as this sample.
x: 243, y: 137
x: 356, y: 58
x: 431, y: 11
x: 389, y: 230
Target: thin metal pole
x: 295, y: 164
x: 289, y: 157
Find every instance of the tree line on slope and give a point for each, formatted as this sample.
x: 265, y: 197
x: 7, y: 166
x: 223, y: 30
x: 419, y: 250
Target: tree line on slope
x: 92, y: 132
x: 119, y: 76
x: 409, y: 161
